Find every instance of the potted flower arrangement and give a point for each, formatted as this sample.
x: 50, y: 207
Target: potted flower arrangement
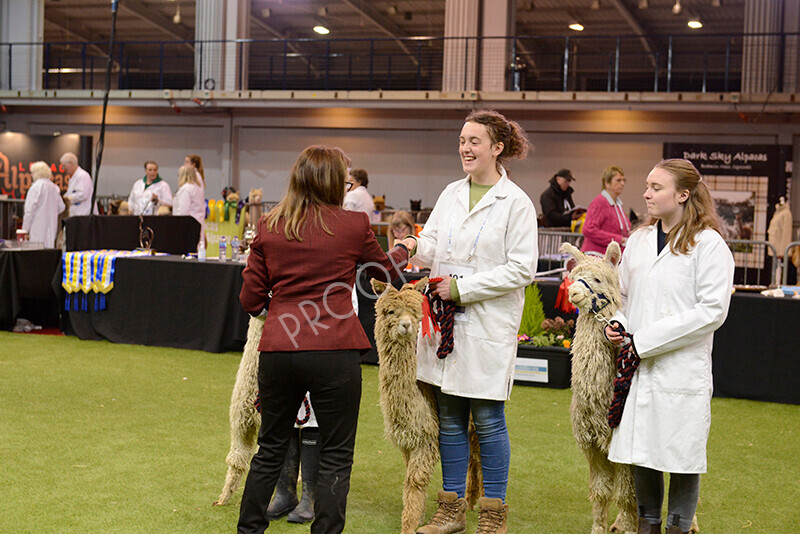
x: 543, y: 357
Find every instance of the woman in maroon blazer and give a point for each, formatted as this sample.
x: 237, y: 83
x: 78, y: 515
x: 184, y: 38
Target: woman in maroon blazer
x: 305, y: 254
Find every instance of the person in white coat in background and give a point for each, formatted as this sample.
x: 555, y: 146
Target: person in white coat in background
x: 43, y: 203
x: 481, y: 239
x: 80, y: 188
x: 150, y: 192
x: 676, y: 277
x: 189, y: 198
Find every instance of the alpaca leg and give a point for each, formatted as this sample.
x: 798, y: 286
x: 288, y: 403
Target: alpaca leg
x: 474, y: 472
x: 625, y: 497
x: 244, y: 435
x: 601, y: 473
x: 420, y: 464
x: 695, y: 528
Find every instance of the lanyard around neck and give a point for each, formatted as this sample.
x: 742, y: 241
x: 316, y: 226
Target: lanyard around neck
x: 477, y: 237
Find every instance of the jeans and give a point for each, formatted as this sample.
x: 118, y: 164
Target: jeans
x: 334, y: 380
x: 490, y: 423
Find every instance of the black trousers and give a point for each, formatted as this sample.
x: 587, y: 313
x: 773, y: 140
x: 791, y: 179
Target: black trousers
x: 334, y: 380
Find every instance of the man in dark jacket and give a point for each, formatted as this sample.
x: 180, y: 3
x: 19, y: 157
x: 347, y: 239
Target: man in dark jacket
x: 557, y: 204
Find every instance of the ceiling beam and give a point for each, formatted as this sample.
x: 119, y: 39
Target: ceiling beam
x: 74, y: 29
x: 637, y: 28
x: 382, y: 23
x: 155, y: 18
x: 278, y: 35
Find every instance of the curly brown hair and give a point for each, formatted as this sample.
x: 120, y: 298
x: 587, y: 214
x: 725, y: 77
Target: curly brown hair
x: 501, y: 130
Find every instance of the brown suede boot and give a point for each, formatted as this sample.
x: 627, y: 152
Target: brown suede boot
x: 646, y: 527
x: 492, y: 516
x: 449, y: 518
x: 675, y: 529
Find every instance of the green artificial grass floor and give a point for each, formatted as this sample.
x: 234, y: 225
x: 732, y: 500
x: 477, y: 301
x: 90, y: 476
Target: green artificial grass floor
x: 97, y: 437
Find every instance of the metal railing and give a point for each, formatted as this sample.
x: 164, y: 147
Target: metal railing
x: 756, y: 262
x: 698, y: 63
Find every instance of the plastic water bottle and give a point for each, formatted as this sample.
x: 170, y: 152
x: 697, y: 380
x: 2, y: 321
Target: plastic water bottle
x: 201, y: 251
x: 235, y: 248
x: 222, y: 248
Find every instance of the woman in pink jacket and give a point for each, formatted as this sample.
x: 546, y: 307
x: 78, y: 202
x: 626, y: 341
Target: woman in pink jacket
x: 605, y: 218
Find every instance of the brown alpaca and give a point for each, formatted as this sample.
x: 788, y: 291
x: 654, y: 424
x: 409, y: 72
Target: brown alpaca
x: 595, y: 292
x: 409, y: 406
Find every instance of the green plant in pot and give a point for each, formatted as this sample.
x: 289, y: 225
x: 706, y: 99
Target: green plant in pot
x: 536, y: 329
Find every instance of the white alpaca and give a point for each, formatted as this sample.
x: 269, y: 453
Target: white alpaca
x: 409, y: 408
x: 244, y: 418
x: 595, y: 292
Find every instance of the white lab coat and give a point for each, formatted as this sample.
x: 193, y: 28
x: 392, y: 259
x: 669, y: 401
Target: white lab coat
x: 42, y: 205
x: 139, y: 199
x: 359, y: 199
x: 485, y: 345
x: 189, y: 200
x: 79, y: 193
x: 672, y: 304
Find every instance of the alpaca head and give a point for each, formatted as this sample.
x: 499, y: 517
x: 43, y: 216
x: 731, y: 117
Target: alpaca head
x: 595, y: 282
x: 398, y: 313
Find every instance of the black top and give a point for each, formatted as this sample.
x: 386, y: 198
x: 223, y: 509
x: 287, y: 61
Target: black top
x: 662, y: 237
x: 555, y: 203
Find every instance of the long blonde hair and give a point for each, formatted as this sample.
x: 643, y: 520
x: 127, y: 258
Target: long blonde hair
x: 699, y: 212
x: 316, y: 181
x: 186, y: 175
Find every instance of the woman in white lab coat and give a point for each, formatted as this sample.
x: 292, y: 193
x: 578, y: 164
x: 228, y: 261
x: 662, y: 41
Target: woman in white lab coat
x: 189, y: 199
x: 481, y: 239
x: 676, y: 276
x: 43, y: 203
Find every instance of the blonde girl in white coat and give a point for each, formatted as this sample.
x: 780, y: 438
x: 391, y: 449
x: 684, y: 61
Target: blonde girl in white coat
x: 676, y: 276
x: 481, y: 239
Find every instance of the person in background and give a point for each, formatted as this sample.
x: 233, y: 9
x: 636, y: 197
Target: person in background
x: 481, y: 241
x: 302, y: 265
x: 189, y: 197
x: 401, y: 226
x: 196, y: 162
x: 557, y: 205
x: 676, y: 277
x: 80, y: 188
x: 605, y: 219
x: 43, y: 203
x: 150, y: 192
x: 357, y: 197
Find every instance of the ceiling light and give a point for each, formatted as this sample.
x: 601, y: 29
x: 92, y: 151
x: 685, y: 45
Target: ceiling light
x: 266, y: 12
x: 391, y: 10
x: 177, y: 18
x: 676, y: 9
x: 643, y: 4
x: 322, y: 30
x: 694, y: 23
x: 716, y: 3
x: 322, y: 11
x: 576, y: 26
x: 595, y: 5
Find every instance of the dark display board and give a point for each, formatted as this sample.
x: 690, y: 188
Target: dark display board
x: 18, y: 151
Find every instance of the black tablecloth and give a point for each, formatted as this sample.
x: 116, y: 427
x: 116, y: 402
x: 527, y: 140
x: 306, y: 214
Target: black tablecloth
x: 167, y: 301
x: 172, y: 234
x: 25, y: 291
x: 757, y: 351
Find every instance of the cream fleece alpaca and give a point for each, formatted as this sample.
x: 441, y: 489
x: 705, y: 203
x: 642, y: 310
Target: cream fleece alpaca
x: 244, y: 418
x: 409, y: 408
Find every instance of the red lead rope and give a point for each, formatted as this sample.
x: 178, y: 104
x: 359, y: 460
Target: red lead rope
x: 440, y: 313
x: 627, y: 363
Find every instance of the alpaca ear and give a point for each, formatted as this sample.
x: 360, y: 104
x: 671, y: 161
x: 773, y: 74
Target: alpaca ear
x: 613, y: 253
x: 421, y: 285
x: 572, y: 251
x: 377, y: 286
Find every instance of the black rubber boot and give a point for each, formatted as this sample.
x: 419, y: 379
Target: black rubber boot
x: 285, y: 498
x: 309, y: 464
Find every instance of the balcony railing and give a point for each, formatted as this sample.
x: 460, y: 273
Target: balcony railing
x: 698, y: 63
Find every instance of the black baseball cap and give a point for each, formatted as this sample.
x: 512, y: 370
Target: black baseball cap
x: 565, y: 173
